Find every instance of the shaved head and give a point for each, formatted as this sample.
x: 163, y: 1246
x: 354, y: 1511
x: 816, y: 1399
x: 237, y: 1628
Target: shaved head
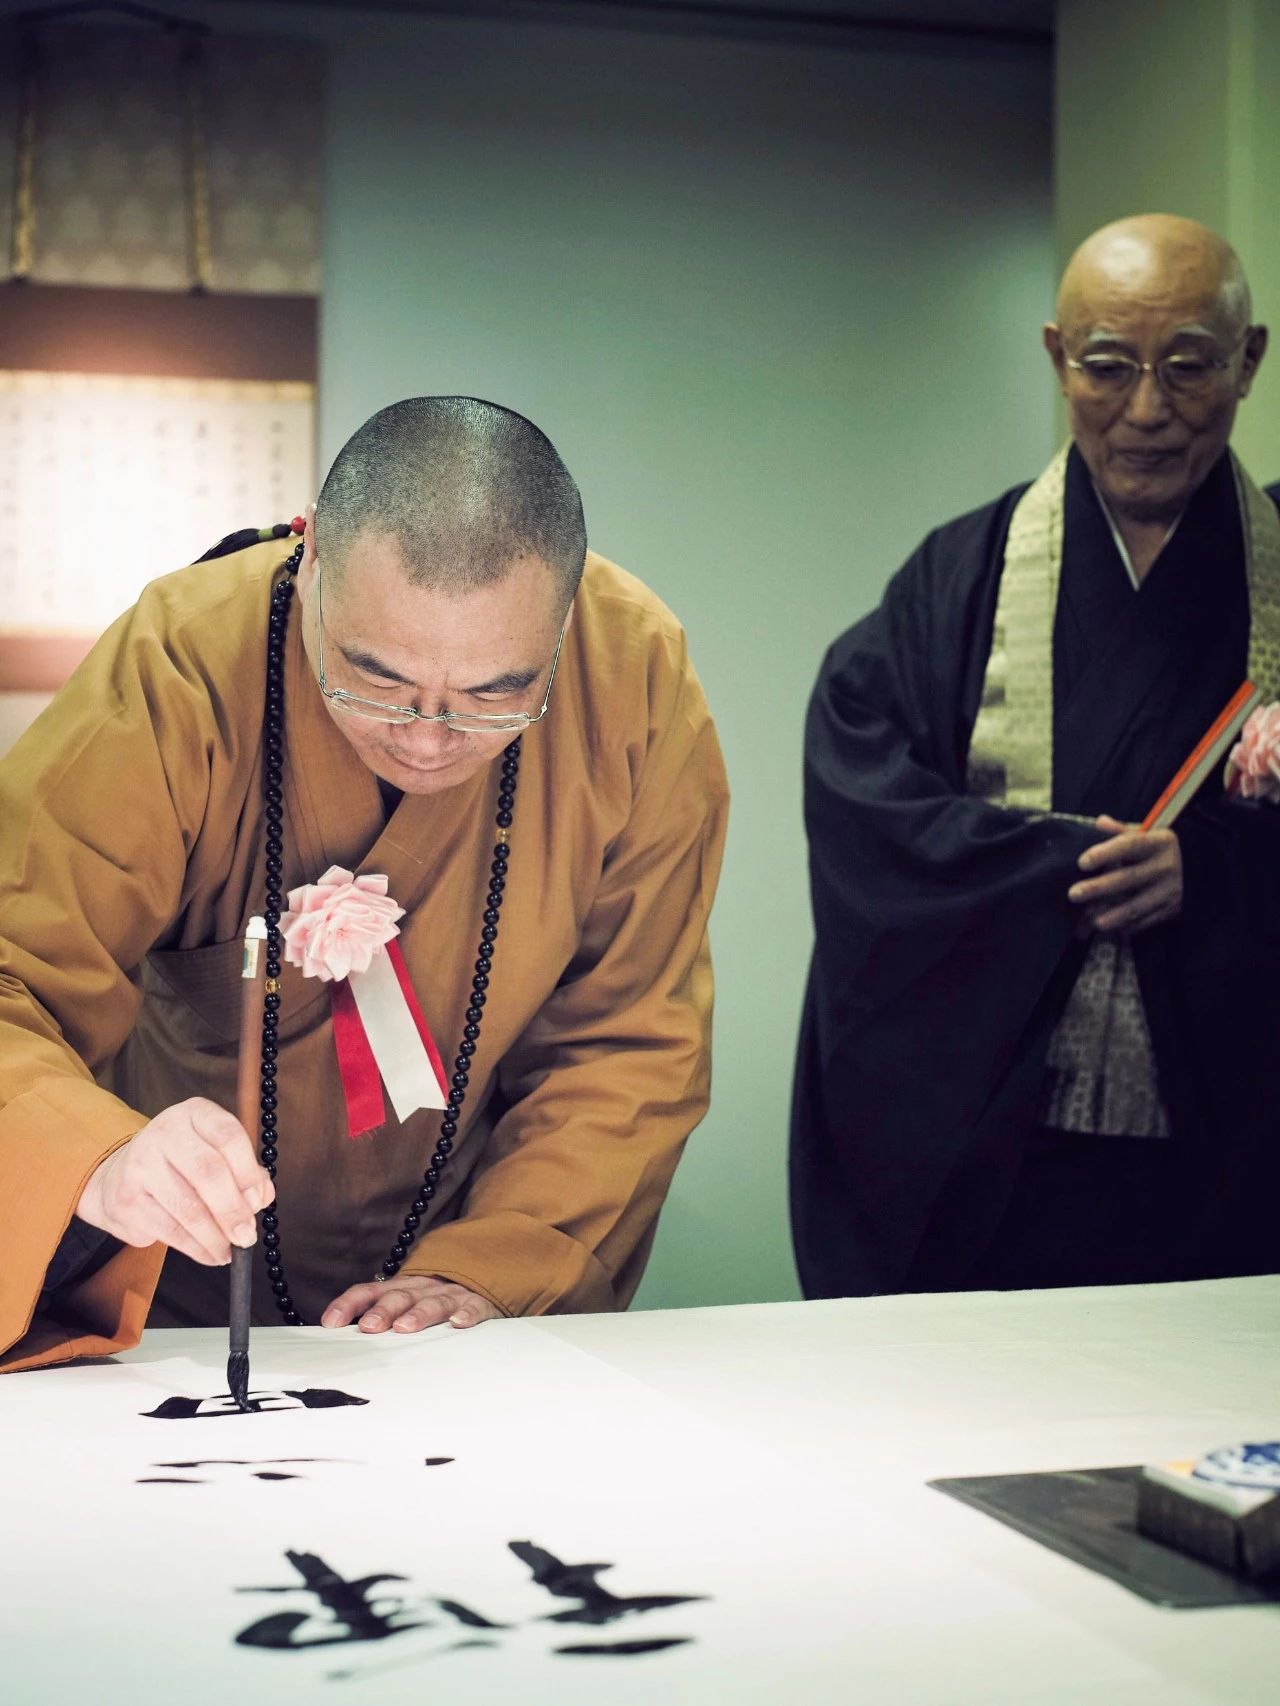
x: 461, y: 488
x: 1153, y: 349
x: 1155, y: 256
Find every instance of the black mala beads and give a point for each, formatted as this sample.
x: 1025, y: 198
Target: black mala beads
x: 273, y: 860
x: 461, y: 1079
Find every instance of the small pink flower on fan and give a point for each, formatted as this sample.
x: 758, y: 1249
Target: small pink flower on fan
x: 336, y: 926
x: 1253, y: 766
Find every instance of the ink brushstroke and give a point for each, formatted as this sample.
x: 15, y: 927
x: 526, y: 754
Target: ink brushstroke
x: 258, y: 1467
x: 262, y: 1403
x: 578, y: 1581
x: 352, y: 1616
x: 348, y: 1612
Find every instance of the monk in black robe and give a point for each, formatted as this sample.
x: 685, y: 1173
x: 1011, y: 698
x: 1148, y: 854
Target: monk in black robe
x: 1036, y: 1046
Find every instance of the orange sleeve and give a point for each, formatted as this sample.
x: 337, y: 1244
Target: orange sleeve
x: 614, y: 1071
x: 93, y: 853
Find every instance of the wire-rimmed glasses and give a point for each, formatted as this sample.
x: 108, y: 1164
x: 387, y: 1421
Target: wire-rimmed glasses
x: 1186, y: 373
x: 377, y: 711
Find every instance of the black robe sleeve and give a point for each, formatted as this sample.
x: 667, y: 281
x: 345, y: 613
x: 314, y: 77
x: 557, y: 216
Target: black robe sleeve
x: 944, y: 944
x: 1212, y: 992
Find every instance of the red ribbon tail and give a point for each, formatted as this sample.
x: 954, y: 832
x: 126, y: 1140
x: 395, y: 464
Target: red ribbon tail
x: 396, y: 956
x: 361, y: 1082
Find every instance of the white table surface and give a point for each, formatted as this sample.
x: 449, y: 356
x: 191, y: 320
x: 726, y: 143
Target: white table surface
x: 821, y: 1422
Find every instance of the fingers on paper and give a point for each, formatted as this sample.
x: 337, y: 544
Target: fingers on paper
x: 438, y: 1305
x: 452, y: 1303
x: 349, y: 1304
x: 473, y: 1311
x: 393, y: 1306
x: 382, y: 1309
x: 412, y: 1306
x: 407, y: 1306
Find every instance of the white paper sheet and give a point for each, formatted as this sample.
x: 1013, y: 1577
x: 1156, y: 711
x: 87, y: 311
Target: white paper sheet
x: 133, y: 1588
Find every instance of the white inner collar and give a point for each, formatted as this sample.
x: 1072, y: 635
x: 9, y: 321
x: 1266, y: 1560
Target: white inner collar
x: 1123, y: 549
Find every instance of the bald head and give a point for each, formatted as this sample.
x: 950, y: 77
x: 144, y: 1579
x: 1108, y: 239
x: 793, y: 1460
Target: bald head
x: 1154, y: 351
x: 1155, y: 258
x: 462, y: 489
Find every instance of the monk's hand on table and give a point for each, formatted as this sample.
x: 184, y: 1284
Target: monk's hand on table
x: 1129, y: 882
x: 407, y: 1304
x: 189, y: 1179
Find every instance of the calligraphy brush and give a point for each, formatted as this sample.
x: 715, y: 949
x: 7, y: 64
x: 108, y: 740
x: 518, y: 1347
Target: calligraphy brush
x: 252, y: 993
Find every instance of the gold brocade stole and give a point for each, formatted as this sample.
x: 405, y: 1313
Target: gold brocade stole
x: 1101, y: 1073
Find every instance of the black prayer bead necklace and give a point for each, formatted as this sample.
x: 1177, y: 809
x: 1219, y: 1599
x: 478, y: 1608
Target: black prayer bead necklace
x: 273, y: 797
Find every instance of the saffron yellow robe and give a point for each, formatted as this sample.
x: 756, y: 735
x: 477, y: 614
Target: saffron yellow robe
x: 131, y: 859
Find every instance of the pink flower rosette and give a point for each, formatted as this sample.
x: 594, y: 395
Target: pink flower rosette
x: 1253, y: 765
x: 335, y: 927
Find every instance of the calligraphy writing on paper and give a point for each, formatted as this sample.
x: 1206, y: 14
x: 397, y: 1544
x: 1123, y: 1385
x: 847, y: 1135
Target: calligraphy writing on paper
x: 261, y: 1469
x: 349, y: 1611
x: 367, y: 1609
x: 260, y: 1403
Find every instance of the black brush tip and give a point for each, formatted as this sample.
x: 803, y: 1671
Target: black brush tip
x: 238, y: 1378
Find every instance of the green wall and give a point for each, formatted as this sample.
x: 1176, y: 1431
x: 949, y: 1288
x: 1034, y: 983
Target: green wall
x: 1173, y: 106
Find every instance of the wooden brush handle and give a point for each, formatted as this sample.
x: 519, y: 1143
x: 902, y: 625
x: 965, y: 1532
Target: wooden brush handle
x: 252, y: 996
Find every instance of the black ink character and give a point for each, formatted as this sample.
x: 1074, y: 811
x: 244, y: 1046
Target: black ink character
x: 310, y: 1398
x: 351, y: 1615
x: 350, y: 1608
x: 578, y: 1581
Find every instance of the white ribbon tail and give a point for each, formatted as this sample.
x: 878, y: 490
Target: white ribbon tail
x: 402, y: 1058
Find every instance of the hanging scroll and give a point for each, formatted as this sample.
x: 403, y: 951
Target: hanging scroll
x: 158, y: 329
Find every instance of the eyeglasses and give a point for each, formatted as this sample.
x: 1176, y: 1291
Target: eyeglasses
x: 377, y: 711
x: 1109, y: 374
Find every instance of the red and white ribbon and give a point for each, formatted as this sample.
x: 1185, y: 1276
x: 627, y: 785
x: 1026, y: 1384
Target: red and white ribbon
x: 342, y: 930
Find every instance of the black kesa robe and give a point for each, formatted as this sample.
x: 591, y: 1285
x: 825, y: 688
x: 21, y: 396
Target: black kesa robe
x: 944, y: 948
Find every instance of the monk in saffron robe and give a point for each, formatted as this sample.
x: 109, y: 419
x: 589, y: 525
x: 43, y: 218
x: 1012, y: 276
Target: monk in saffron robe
x: 1037, y: 1043
x: 441, y: 583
